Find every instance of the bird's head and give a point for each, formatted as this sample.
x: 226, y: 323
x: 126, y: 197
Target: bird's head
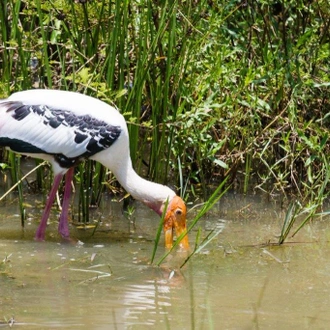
x: 175, y: 219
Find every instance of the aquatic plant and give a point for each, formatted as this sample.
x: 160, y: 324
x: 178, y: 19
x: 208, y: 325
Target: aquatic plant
x: 210, y: 89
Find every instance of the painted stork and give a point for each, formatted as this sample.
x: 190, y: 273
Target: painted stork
x: 65, y: 128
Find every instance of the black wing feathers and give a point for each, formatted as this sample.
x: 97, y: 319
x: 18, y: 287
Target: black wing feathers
x: 85, y: 135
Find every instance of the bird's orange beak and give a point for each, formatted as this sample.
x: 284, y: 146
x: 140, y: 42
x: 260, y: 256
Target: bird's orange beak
x: 175, y: 218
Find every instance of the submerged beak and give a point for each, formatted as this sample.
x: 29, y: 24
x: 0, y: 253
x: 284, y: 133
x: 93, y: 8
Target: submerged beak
x: 175, y: 219
x: 169, y: 238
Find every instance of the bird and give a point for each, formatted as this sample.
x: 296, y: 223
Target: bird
x: 66, y: 128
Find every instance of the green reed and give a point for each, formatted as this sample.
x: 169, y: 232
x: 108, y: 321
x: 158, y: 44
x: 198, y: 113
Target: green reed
x: 311, y: 202
x: 16, y: 175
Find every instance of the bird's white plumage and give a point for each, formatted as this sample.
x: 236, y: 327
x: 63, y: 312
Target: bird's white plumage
x: 60, y: 140
x: 32, y: 130
x: 79, y: 104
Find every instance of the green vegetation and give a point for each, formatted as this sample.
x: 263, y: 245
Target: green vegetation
x: 211, y: 89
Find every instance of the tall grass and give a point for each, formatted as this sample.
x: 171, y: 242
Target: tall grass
x: 209, y: 89
x: 15, y: 174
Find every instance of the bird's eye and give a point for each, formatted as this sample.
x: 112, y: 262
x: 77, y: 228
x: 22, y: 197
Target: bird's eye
x: 178, y: 212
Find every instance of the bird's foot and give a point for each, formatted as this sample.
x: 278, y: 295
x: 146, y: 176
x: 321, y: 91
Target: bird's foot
x: 63, y: 229
x: 40, y: 234
x: 69, y: 240
x: 39, y: 238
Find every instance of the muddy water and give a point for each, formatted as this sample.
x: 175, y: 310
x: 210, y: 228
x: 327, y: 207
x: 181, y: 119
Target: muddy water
x: 106, y: 281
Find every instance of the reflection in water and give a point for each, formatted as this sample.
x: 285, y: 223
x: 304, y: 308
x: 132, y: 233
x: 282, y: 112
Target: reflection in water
x: 151, y: 302
x: 152, y: 297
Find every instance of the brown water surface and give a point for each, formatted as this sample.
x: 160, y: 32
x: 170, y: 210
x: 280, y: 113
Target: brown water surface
x: 106, y: 281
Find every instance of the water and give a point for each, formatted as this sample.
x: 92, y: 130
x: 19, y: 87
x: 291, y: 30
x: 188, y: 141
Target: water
x: 107, y: 282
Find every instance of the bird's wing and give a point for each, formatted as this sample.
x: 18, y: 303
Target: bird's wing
x: 43, y: 130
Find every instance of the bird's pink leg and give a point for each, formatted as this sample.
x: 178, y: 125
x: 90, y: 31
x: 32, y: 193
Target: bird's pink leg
x: 63, y: 227
x: 40, y: 234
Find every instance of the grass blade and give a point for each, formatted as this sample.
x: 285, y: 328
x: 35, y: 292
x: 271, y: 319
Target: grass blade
x: 198, y: 247
x: 289, y: 220
x: 159, y: 232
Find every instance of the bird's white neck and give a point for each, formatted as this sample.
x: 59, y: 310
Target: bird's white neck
x: 154, y: 195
